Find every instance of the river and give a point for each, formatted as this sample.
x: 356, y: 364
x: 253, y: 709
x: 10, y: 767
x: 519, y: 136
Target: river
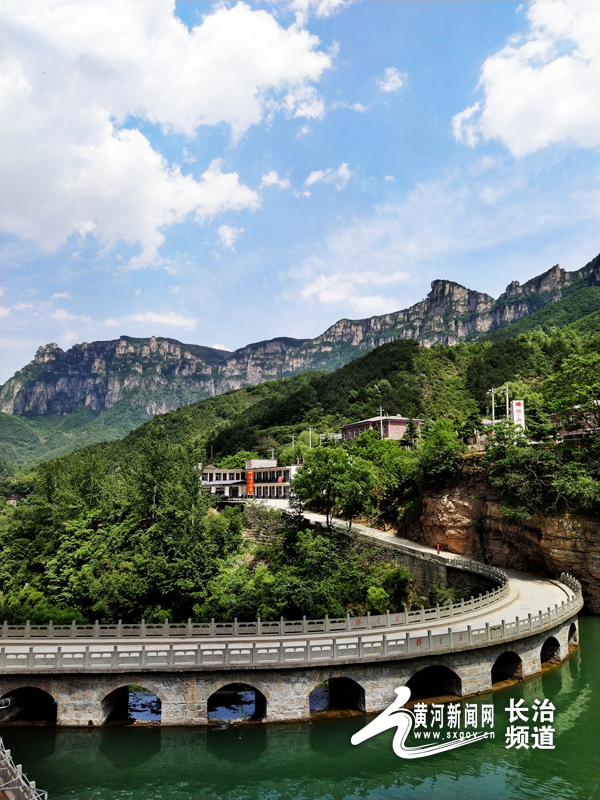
x: 316, y: 760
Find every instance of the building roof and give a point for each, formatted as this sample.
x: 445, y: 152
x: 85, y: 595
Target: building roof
x: 393, y: 418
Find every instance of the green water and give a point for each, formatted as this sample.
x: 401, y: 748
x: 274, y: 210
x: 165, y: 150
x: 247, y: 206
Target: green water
x: 317, y: 760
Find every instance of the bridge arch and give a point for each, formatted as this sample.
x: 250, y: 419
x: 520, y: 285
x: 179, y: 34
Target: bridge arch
x: 131, y: 703
x: 237, y: 702
x: 28, y: 704
x: 507, y: 667
x: 573, y: 635
x: 550, y: 651
x: 434, y: 681
x: 337, y: 693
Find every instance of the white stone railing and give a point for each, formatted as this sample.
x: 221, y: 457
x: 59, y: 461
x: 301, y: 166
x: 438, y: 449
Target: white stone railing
x: 281, y: 627
x: 303, y: 651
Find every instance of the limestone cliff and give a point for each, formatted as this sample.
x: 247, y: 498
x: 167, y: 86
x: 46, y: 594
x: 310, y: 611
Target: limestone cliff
x: 160, y: 374
x: 467, y: 519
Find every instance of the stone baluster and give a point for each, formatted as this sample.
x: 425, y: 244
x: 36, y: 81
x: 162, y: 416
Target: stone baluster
x: 254, y: 653
x: 450, y: 637
x: 143, y: 656
x: 487, y: 631
x: 281, y: 653
x: 437, y: 610
x: 87, y: 657
x: 2, y: 658
x: 304, y: 624
x: 235, y: 627
x: 115, y: 656
x: 407, y: 640
x: 5, y: 629
x: 503, y: 629
x: 530, y: 622
x: 429, y: 646
x: 469, y: 635
x: 258, y: 627
x: 96, y: 630
x: 28, y: 629
x: 326, y: 623
x: 360, y: 647
x: 384, y: 645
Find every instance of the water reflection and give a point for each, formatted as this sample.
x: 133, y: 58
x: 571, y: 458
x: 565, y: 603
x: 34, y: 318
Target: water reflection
x: 236, y: 743
x: 127, y: 749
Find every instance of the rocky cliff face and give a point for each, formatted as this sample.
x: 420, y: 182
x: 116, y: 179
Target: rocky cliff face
x: 467, y: 519
x: 162, y: 374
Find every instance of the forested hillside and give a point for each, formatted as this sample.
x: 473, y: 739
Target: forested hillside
x: 122, y: 530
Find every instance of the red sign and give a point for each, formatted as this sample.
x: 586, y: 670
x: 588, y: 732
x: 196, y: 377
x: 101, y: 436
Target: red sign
x: 250, y: 482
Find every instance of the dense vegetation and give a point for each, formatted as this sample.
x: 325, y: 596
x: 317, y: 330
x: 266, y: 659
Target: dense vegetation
x: 98, y: 539
x: 123, y: 530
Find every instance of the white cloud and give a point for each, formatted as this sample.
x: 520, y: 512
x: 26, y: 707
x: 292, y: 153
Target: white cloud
x: 321, y: 8
x: 59, y: 295
x: 229, y: 235
x: 339, y: 176
x: 23, y: 306
x: 441, y: 223
x: 4, y: 311
x: 62, y: 316
x: 75, y: 74
x: 351, y: 106
x: 171, y: 319
x: 543, y: 87
x: 393, y: 80
x: 389, y: 178
x: 221, y: 347
x: 273, y: 179
x: 343, y: 287
x: 188, y: 157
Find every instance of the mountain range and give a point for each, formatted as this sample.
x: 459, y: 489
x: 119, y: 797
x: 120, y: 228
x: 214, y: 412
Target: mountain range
x: 101, y: 390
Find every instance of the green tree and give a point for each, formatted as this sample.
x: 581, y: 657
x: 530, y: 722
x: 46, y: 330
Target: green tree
x: 321, y: 480
x: 357, y: 486
x: 574, y: 390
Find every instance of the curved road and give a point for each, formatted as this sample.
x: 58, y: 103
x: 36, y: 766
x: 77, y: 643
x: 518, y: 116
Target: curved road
x: 528, y: 594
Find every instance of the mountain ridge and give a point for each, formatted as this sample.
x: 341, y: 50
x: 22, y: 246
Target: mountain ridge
x: 159, y: 374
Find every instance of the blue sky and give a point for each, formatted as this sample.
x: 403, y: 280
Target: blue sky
x: 222, y: 173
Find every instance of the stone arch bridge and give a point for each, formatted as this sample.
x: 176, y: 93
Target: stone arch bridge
x: 80, y: 675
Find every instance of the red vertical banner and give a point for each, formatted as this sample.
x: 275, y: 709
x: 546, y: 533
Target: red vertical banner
x: 250, y: 481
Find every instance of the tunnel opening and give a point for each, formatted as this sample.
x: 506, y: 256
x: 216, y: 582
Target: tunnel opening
x: 337, y: 697
x: 130, y: 705
x: 434, y: 682
x: 573, y: 636
x: 236, y: 702
x: 28, y: 706
x: 550, y: 652
x: 507, y: 667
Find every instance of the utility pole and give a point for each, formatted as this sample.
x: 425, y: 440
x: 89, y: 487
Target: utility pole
x: 492, y: 394
x: 505, y: 387
x: 211, y: 453
x: 381, y: 420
